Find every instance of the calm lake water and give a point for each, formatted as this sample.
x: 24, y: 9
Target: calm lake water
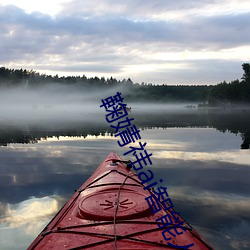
x: 197, y: 153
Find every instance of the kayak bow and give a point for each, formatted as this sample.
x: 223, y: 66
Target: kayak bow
x: 109, y: 211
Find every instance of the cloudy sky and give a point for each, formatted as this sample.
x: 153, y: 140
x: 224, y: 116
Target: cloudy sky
x: 157, y: 41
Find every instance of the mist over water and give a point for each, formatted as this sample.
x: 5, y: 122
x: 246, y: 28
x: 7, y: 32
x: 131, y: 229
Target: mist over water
x: 55, y: 102
x: 60, y: 107
x: 64, y: 103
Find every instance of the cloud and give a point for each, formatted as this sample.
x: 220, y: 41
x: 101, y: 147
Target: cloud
x: 135, y: 9
x: 125, y: 39
x: 115, y: 30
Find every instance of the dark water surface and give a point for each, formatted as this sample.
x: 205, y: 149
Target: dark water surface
x: 197, y: 153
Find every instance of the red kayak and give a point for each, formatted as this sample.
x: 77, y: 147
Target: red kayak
x: 113, y: 210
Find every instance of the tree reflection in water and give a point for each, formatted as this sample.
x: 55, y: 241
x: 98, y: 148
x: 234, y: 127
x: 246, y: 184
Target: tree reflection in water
x: 233, y: 121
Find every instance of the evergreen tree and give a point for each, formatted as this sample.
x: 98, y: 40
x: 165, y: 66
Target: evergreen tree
x: 246, y: 69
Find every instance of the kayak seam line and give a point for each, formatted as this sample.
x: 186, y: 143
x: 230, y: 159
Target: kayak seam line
x: 44, y: 233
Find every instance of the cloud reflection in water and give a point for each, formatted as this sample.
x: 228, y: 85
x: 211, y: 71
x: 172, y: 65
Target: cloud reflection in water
x: 207, y: 178
x: 25, y: 220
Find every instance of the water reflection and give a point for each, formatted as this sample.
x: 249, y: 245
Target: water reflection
x: 29, y: 210
x: 234, y: 121
x: 20, y: 222
x: 206, y: 173
x: 236, y: 157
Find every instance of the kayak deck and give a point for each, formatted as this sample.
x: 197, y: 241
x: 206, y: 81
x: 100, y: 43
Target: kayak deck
x: 110, y: 211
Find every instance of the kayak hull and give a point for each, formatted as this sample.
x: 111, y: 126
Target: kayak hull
x: 110, y: 211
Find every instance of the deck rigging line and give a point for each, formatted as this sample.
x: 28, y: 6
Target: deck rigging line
x: 114, y: 237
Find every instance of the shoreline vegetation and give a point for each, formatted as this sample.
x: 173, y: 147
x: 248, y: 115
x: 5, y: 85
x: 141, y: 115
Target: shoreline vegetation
x: 223, y: 95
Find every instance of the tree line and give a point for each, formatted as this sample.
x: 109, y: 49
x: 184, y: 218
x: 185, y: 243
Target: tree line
x: 236, y: 91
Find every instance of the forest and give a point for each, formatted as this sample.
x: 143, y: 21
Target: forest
x: 224, y: 93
